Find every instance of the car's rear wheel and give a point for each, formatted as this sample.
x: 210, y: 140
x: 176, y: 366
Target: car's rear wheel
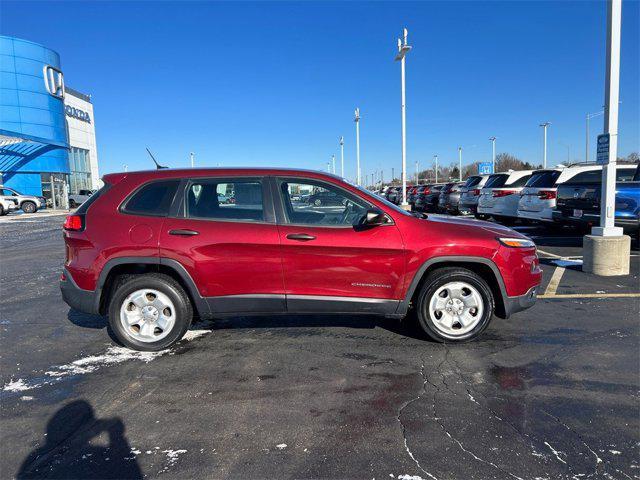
x: 28, y: 207
x: 454, y: 305
x: 149, y: 312
x: 2, y: 211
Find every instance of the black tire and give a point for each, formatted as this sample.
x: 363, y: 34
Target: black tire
x: 28, y: 207
x: 162, y: 283
x: 437, y: 279
x: 2, y: 211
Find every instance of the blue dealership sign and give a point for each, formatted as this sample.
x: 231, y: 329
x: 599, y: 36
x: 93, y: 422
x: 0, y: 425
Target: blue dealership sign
x: 603, y: 149
x: 485, y: 168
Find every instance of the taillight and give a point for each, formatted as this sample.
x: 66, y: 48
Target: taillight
x: 426, y: 191
x: 74, y: 223
x: 503, y: 193
x: 475, y: 192
x: 546, y: 194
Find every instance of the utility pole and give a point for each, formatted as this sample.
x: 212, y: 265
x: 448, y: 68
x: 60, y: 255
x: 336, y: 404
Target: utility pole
x: 342, y: 157
x: 544, y: 125
x: 333, y: 163
x: 493, y: 147
x: 393, y: 175
x: 357, y: 120
x: 607, y: 251
x: 403, y: 49
x: 436, y: 159
x: 328, y: 167
x: 460, y: 163
x: 192, y: 155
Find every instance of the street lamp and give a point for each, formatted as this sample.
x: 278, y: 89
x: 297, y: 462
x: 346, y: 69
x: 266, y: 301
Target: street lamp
x: 342, y: 157
x: 403, y: 49
x: 328, y: 167
x: 333, y: 163
x: 544, y: 125
x: 589, y: 117
x: 192, y: 155
x: 493, y: 146
x: 357, y: 120
x: 436, y: 159
x: 460, y: 163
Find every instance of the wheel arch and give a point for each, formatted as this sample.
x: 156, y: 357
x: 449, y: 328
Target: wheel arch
x: 117, y: 267
x: 483, y: 267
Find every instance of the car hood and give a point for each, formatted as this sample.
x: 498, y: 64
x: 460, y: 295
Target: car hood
x: 474, y: 227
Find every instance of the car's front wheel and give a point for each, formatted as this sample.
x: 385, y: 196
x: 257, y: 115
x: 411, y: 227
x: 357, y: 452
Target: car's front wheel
x: 149, y: 312
x: 454, y: 305
x: 28, y: 207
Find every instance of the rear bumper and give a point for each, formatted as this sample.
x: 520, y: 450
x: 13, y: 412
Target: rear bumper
x: 82, y: 300
x: 517, y: 304
x: 545, y: 215
x: 468, y: 208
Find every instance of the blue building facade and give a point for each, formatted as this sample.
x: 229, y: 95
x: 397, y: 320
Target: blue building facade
x: 34, y: 140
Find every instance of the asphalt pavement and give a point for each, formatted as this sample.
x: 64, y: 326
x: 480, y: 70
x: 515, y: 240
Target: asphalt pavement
x: 551, y: 393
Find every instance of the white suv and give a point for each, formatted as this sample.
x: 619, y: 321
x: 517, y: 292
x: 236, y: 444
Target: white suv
x: 500, y: 195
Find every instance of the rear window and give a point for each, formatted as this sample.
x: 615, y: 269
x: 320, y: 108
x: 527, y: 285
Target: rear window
x: 91, y: 200
x: 496, y: 181
x: 592, y: 176
x: 544, y: 179
x: 521, y: 181
x: 472, y: 181
x: 153, y: 199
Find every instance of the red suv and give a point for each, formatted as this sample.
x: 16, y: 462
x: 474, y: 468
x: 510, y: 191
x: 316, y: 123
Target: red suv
x: 154, y: 249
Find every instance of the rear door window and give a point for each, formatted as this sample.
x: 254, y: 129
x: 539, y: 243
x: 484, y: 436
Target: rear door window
x: 544, y: 179
x: 496, y: 181
x: 153, y: 199
x: 229, y: 200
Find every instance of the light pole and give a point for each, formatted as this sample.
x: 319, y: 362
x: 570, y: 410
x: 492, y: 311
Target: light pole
x: 333, y: 163
x: 460, y: 163
x: 493, y: 147
x: 589, y: 117
x: 328, y: 167
x: 403, y: 49
x: 357, y: 120
x: 191, y: 155
x: 416, y: 172
x: 342, y: 157
x: 544, y: 126
x: 436, y: 159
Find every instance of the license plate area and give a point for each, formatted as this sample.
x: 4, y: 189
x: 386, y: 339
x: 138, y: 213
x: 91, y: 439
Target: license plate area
x: 577, y: 213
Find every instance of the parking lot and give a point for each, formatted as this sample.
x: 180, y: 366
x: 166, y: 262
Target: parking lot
x: 551, y: 393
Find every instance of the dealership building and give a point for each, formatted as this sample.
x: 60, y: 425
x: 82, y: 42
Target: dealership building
x: 47, y: 130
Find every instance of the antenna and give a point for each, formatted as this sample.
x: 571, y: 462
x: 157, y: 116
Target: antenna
x: 158, y: 166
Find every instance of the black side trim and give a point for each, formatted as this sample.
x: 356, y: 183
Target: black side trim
x: 249, y: 304
x: 336, y: 305
x: 403, y: 306
x: 200, y: 304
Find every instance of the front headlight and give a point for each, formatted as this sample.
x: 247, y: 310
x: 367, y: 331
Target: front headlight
x: 516, y: 242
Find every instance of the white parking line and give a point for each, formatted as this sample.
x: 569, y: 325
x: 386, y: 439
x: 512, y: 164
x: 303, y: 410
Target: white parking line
x: 555, y: 281
x: 591, y: 295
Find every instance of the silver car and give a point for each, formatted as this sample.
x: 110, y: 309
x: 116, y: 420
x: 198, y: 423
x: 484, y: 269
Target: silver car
x: 26, y: 203
x: 470, y: 193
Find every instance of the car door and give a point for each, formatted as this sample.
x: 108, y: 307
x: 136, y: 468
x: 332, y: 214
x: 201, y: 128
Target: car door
x: 331, y: 264
x: 230, y: 248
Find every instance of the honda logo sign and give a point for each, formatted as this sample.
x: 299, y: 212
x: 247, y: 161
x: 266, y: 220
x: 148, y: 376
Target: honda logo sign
x: 53, y: 81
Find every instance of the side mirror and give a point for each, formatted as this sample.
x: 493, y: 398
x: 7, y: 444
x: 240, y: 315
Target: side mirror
x: 373, y: 218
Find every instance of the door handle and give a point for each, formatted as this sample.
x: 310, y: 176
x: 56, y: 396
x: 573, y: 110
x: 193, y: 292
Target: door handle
x: 183, y: 233
x: 301, y: 237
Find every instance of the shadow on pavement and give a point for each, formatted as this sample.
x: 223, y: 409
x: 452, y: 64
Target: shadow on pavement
x: 80, y: 446
x: 85, y: 320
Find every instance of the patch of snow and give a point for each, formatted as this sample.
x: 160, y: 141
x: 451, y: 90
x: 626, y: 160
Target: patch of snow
x: 472, y: 399
x: 410, y: 477
x: 615, y: 452
x: 172, y: 458
x: 18, y: 385
x: 567, y: 263
x: 26, y: 398
x: 281, y: 446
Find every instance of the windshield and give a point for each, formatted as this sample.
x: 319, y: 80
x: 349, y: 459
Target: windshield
x: 543, y: 179
x: 496, y: 181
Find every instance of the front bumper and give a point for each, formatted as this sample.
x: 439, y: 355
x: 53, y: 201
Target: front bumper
x: 517, y: 304
x: 82, y: 300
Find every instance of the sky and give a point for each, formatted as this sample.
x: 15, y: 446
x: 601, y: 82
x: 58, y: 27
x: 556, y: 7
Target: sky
x: 275, y: 84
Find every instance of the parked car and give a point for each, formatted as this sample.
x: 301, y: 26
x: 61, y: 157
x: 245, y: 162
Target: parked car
x: 325, y: 198
x: 394, y: 195
x: 26, y: 203
x: 7, y: 205
x: 415, y: 191
x: 427, y: 200
x: 450, y: 198
x: 148, y: 253
x: 578, y: 200
x: 79, y: 198
x: 469, y: 194
x: 500, y: 195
